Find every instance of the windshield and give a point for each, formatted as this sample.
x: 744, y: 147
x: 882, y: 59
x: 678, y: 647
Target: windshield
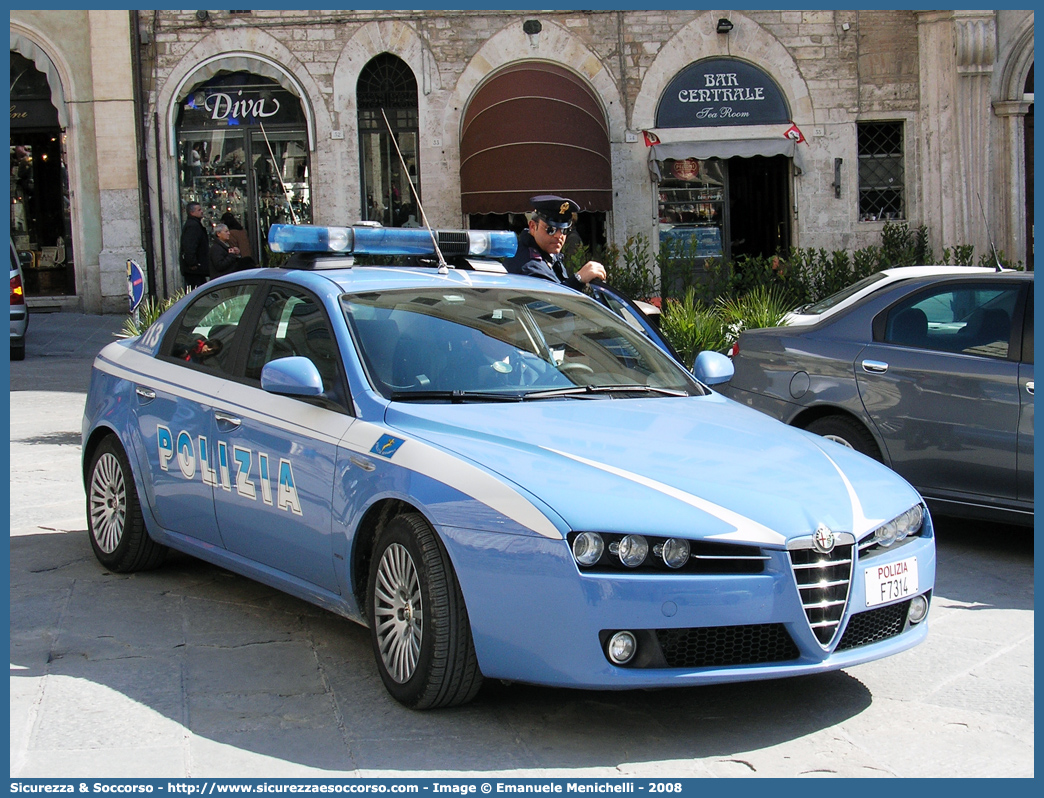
x: 824, y: 305
x: 504, y: 344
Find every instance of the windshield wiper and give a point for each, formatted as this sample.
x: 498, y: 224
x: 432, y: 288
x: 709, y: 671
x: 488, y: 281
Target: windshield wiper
x: 590, y: 391
x: 454, y: 397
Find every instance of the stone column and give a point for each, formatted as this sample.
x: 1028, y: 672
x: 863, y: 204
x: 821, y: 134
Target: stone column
x: 975, y: 36
x: 1010, y: 210
x: 957, y: 53
x: 117, y: 158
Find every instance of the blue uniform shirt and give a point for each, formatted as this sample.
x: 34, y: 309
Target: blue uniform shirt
x: 531, y: 260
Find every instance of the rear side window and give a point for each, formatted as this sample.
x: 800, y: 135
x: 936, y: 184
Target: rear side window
x: 204, y: 334
x: 971, y: 319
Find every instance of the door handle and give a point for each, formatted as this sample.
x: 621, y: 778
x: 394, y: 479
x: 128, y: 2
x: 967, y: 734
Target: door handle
x: 874, y: 367
x: 362, y: 463
x: 227, y: 421
x: 1029, y: 387
x: 146, y: 395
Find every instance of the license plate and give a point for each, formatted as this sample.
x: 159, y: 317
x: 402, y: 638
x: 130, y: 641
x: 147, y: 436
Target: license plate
x: 889, y: 582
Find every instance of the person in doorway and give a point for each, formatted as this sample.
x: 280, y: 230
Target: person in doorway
x: 241, y: 239
x: 224, y: 256
x: 195, y: 253
x: 539, y: 252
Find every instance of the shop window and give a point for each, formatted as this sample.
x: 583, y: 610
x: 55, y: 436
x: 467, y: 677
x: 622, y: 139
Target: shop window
x: 882, y: 173
x: 243, y: 150
x: 387, y: 88
x: 692, y: 207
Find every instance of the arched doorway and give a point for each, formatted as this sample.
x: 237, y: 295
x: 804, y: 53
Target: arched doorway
x: 387, y: 89
x: 41, y: 220
x: 535, y: 128
x: 242, y: 148
x: 723, y: 196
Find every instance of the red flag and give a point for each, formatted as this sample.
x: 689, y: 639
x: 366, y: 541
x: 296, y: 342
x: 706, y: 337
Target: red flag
x: 794, y: 134
x: 650, y: 138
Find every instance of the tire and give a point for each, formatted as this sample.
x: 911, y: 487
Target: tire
x: 418, y: 622
x: 847, y: 432
x: 18, y: 351
x: 114, y: 520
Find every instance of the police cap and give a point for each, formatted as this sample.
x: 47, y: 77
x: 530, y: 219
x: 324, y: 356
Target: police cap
x: 555, y: 211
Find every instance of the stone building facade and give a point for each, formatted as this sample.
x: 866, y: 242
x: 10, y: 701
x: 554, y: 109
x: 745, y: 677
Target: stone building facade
x: 736, y: 132
x: 75, y: 194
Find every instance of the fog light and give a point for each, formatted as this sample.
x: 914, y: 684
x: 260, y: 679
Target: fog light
x: 588, y: 548
x: 632, y: 550
x: 918, y: 609
x: 621, y: 648
x: 675, y: 553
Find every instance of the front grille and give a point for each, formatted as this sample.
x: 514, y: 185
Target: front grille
x: 873, y: 626
x: 823, y: 581
x: 718, y: 646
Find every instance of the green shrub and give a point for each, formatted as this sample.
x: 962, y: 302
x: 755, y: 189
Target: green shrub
x: 691, y: 327
x: 764, y: 306
x: 149, y: 310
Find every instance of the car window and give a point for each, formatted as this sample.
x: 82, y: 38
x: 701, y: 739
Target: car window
x: 508, y: 341
x: 204, y: 334
x: 970, y: 319
x: 293, y: 324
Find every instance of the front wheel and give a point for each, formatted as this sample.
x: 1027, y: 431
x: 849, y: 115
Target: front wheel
x: 114, y: 521
x: 418, y: 622
x: 847, y: 432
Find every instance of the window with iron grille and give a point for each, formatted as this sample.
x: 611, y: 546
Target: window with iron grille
x: 387, y: 84
x: 882, y: 175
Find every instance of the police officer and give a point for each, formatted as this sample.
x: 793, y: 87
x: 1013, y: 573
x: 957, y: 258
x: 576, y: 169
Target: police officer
x: 539, y: 252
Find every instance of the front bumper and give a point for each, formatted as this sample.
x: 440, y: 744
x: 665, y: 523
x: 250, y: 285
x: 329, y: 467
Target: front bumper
x: 536, y: 619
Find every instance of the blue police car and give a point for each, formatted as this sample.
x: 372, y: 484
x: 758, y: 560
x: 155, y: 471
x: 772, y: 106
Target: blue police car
x: 498, y: 476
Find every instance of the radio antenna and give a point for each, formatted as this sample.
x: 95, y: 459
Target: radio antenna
x: 443, y: 266
x: 279, y: 174
x: 996, y: 257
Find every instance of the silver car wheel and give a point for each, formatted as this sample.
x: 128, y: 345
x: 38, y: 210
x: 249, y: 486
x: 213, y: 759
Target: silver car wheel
x: 108, y: 503
x: 399, y: 613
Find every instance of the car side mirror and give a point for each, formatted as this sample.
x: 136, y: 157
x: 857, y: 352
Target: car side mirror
x: 292, y: 376
x: 713, y: 368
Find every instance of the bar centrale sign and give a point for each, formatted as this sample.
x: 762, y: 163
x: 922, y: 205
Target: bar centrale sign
x: 721, y: 91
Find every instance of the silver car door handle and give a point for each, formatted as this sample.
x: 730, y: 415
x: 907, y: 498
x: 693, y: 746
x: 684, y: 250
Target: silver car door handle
x: 145, y: 394
x: 874, y: 367
x: 227, y: 421
x: 364, y: 464
x: 1029, y: 387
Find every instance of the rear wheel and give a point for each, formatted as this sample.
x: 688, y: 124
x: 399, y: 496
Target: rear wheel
x: 18, y: 350
x: 418, y: 622
x: 847, y: 432
x: 117, y: 530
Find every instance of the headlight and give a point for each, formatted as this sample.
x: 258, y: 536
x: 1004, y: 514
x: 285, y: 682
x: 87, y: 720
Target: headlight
x: 900, y: 527
x: 631, y: 550
x: 675, y: 552
x: 588, y: 548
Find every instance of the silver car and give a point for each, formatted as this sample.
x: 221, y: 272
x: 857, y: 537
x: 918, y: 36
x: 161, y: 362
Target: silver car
x: 19, y: 311
x: 932, y: 376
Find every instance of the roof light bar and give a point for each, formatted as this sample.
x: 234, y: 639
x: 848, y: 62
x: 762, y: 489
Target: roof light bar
x: 390, y: 241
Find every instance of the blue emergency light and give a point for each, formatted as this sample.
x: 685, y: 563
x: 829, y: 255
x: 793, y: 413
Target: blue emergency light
x: 390, y: 241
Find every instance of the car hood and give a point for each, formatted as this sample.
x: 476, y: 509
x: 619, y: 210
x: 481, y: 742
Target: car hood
x: 691, y: 467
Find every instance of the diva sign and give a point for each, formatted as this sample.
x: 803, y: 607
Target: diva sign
x: 721, y: 91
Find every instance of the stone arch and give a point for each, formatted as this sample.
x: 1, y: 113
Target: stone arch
x: 401, y: 40
x: 1017, y: 62
x: 83, y: 205
x: 748, y: 41
x: 556, y: 45
x: 249, y: 49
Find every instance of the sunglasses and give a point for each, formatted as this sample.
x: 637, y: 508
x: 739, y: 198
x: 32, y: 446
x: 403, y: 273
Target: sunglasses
x: 553, y: 231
